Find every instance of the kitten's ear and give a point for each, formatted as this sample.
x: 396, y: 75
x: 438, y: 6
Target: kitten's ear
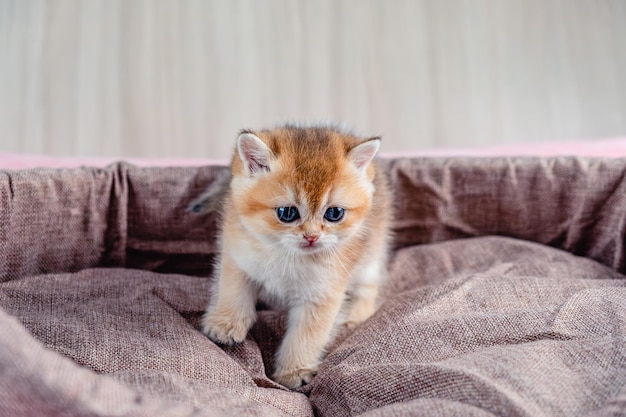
x: 254, y: 153
x: 362, y: 154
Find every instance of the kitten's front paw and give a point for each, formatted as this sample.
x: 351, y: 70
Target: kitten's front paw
x: 295, y: 378
x: 355, y: 320
x: 351, y: 324
x: 358, y: 314
x: 226, y: 329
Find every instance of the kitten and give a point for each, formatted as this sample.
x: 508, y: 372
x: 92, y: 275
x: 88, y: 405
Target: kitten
x: 305, y: 227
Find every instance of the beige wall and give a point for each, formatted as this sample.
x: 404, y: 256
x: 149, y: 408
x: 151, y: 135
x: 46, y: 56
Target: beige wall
x: 180, y: 78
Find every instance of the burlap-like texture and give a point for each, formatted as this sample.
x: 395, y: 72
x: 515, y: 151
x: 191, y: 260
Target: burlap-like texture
x: 506, y: 297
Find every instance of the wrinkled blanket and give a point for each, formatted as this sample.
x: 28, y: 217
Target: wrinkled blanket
x: 506, y: 297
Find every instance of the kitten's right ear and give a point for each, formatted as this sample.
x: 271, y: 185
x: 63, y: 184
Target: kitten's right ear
x: 254, y: 153
x: 362, y: 154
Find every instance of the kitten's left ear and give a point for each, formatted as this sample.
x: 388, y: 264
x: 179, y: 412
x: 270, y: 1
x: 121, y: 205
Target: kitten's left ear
x: 254, y: 153
x: 362, y: 154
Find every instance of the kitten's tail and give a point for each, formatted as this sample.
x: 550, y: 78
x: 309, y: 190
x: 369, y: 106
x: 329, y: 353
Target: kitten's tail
x: 211, y: 198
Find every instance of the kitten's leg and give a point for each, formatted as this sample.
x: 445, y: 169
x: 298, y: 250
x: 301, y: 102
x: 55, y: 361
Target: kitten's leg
x: 363, y: 304
x: 309, y: 329
x: 364, y: 292
x: 229, y: 317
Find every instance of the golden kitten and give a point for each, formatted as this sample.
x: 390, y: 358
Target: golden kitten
x: 305, y: 227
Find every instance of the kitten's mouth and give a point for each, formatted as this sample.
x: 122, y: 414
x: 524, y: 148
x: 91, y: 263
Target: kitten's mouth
x: 309, y: 247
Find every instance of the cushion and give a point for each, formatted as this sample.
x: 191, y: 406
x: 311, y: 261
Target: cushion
x: 505, y: 297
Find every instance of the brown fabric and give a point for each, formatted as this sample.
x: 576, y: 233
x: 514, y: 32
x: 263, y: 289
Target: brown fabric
x: 104, y: 277
x: 570, y: 203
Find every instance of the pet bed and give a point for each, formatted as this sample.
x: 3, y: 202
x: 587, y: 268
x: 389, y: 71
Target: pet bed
x: 506, y: 297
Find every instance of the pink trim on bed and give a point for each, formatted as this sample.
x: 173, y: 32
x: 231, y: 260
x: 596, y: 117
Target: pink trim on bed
x: 22, y: 161
x: 608, y: 148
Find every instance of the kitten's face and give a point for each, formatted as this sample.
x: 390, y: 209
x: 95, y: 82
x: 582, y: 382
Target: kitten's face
x: 302, y: 191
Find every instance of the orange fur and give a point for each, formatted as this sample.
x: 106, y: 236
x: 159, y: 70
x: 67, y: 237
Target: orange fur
x: 311, y: 169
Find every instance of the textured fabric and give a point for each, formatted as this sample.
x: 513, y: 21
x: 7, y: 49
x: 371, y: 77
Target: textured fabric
x: 506, y: 297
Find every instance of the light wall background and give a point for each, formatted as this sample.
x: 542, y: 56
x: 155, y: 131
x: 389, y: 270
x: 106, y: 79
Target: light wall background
x: 180, y: 78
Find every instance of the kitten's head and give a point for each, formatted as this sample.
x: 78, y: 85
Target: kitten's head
x: 303, y: 190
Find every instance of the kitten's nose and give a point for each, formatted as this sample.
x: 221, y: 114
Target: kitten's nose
x: 311, y: 237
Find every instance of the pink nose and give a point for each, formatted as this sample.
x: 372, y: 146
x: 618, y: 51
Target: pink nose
x: 311, y: 238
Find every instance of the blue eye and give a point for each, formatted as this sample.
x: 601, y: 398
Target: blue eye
x: 334, y: 214
x: 287, y: 214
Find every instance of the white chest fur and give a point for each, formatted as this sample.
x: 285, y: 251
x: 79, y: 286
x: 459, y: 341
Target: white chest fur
x: 285, y: 278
